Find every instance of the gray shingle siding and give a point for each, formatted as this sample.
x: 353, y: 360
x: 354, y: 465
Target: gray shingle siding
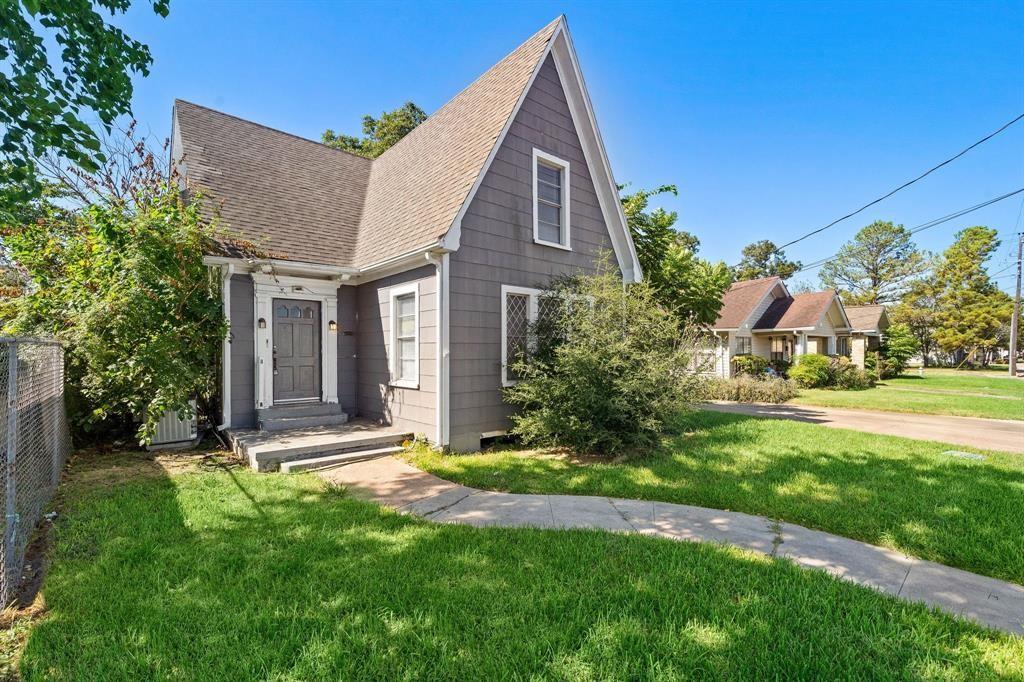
x: 412, y: 409
x: 348, y: 371
x: 243, y: 376
x: 497, y: 248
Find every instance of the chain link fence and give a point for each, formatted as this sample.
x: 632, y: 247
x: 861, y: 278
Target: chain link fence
x: 34, y: 444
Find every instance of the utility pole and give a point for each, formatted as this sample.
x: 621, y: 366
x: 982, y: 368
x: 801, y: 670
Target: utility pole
x: 1015, y: 319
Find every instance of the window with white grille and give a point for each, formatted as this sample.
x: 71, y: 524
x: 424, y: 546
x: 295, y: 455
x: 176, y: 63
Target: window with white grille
x: 405, y: 354
x: 743, y: 345
x: 550, y: 200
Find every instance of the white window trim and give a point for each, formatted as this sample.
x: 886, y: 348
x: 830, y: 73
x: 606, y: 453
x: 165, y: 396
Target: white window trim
x: 531, y: 317
x: 551, y: 160
x: 393, y: 364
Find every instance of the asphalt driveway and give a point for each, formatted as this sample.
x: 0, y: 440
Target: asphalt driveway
x: 970, y: 432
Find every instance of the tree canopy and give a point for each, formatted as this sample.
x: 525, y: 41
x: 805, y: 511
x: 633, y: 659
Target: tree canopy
x: 971, y: 310
x: 764, y: 259
x: 689, y: 286
x: 116, y: 272
x: 379, y: 134
x: 42, y: 100
x: 877, y: 266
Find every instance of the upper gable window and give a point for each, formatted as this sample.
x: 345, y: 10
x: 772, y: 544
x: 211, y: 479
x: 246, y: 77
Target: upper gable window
x: 550, y: 200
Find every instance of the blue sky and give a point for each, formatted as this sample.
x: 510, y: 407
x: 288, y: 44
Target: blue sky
x: 772, y: 118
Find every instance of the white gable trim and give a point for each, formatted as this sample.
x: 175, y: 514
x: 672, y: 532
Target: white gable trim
x: 571, y: 78
x: 838, y: 302
x: 747, y: 321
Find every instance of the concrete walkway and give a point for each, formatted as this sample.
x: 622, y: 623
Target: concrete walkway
x: 971, y: 432
x: 394, y: 483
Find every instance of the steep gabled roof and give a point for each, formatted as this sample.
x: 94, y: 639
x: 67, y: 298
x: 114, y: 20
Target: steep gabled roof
x: 418, y: 186
x: 741, y: 299
x: 308, y: 202
x: 797, y: 311
x: 867, y: 318
x: 300, y: 199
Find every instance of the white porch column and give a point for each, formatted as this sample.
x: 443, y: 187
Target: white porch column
x: 801, y: 344
x: 831, y: 345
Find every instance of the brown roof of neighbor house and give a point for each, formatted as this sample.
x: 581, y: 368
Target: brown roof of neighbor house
x: 741, y: 299
x: 793, y: 312
x: 317, y: 204
x: 867, y: 318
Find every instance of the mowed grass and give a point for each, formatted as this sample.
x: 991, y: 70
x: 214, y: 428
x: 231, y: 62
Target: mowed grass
x: 938, y: 391
x: 885, y: 490
x: 225, y: 575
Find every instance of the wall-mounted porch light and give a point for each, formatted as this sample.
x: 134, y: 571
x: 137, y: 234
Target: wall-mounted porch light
x: 332, y: 325
x: 262, y: 323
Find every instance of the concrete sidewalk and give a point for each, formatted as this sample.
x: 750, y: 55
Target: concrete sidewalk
x: 394, y: 483
x: 971, y: 432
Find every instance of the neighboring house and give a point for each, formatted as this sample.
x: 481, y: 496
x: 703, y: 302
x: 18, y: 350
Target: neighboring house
x: 868, y: 324
x: 760, y: 317
x: 397, y: 288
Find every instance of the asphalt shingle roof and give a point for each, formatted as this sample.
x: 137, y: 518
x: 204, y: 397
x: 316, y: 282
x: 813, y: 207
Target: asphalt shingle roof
x: 305, y: 201
x: 793, y: 312
x: 865, y: 317
x: 741, y: 299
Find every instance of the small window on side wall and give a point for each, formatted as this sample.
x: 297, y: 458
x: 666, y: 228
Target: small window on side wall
x: 743, y: 345
x: 550, y: 200
x: 405, y: 354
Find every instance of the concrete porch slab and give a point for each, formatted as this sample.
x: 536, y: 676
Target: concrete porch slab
x: 265, y: 450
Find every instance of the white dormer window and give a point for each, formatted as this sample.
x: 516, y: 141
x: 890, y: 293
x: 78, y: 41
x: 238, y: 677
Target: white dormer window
x: 550, y: 200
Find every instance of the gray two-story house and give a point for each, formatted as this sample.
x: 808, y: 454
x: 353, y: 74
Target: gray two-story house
x: 395, y: 287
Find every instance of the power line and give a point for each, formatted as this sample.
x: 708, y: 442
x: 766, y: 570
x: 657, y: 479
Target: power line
x: 926, y: 226
x: 903, y: 186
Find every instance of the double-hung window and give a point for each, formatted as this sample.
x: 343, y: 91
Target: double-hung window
x: 779, y: 348
x: 743, y: 345
x: 405, y: 350
x: 550, y: 200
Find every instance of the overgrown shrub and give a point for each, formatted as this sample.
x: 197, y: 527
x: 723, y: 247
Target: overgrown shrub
x: 607, y: 368
x: 847, y: 376
x: 811, y: 371
x: 748, y: 389
x: 750, y: 365
x: 114, y: 269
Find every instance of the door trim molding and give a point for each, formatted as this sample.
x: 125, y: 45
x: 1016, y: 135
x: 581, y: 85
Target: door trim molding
x: 266, y: 288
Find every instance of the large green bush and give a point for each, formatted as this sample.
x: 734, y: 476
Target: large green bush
x: 900, y: 345
x: 748, y: 389
x: 750, y: 365
x: 608, y: 368
x: 847, y: 376
x: 811, y: 371
x: 822, y: 371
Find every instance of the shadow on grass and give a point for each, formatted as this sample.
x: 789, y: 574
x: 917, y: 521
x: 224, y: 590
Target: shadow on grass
x: 234, y: 575
x: 892, y: 492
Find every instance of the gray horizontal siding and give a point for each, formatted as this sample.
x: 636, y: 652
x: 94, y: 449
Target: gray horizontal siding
x: 348, y: 369
x: 497, y: 248
x: 412, y: 409
x: 243, y: 365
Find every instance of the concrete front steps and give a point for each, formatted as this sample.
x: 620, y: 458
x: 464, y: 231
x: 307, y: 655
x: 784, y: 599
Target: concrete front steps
x: 337, y: 459
x: 300, y: 416
x: 317, y: 447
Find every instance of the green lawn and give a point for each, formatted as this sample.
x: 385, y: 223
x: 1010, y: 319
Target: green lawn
x: 884, y: 490
x: 939, y: 391
x: 225, y: 575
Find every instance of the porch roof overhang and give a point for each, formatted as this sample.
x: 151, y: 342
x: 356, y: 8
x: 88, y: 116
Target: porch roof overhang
x: 343, y: 274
